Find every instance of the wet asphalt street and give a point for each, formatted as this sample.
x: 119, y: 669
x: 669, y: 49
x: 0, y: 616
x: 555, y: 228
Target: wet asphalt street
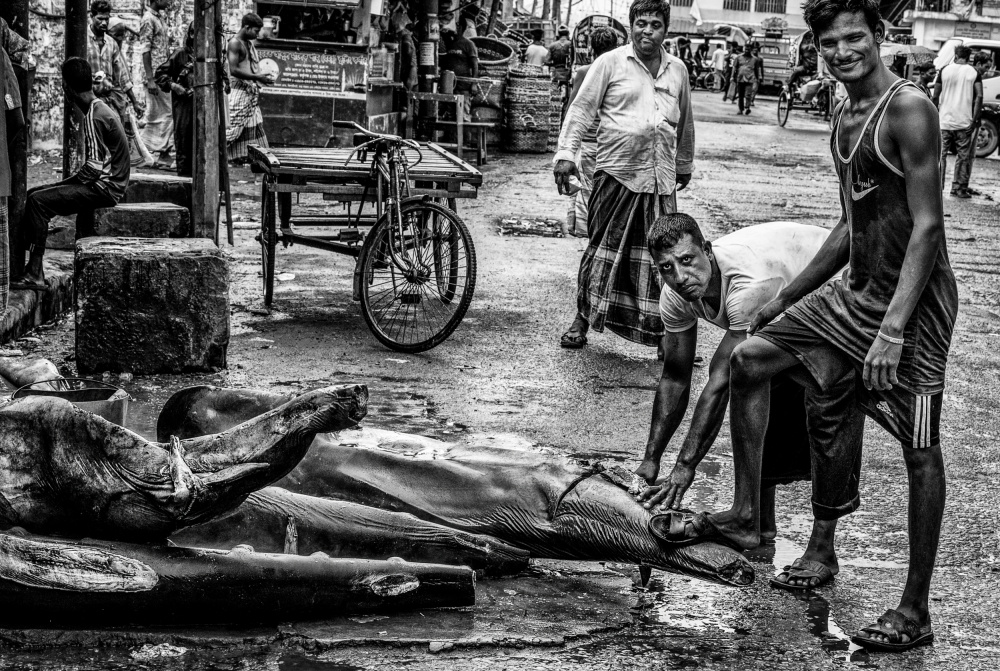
x: 503, y: 378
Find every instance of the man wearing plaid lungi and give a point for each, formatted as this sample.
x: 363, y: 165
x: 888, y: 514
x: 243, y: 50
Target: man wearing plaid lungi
x: 11, y: 123
x: 645, y: 152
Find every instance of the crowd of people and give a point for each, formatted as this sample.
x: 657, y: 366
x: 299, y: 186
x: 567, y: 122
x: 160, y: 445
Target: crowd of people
x: 807, y: 353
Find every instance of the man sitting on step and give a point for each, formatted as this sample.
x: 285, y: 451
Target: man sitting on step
x: 100, y: 182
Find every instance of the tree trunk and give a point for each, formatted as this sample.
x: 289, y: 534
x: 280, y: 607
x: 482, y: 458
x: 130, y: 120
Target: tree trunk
x: 205, y: 184
x: 546, y: 9
x: 557, y: 10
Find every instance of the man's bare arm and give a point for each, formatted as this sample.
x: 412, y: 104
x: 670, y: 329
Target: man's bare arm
x: 914, y: 143
x: 239, y: 64
x: 708, y: 416
x: 672, y: 394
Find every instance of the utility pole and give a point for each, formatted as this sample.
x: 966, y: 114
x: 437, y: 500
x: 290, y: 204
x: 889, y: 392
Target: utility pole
x: 76, y: 46
x: 15, y: 13
x: 205, y: 182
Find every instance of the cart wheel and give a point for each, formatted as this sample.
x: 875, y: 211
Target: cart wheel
x: 268, y: 242
x: 784, y: 107
x: 415, y: 310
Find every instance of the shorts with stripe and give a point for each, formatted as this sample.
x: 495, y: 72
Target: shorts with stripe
x: 913, y: 419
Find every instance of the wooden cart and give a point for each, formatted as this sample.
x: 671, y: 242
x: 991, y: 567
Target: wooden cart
x: 342, y: 175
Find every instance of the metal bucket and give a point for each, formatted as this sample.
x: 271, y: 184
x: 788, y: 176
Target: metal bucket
x: 95, y: 396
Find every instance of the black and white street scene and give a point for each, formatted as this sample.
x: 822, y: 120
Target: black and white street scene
x: 482, y: 335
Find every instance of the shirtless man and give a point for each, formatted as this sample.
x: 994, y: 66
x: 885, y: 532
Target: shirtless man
x: 246, y: 123
x: 890, y: 317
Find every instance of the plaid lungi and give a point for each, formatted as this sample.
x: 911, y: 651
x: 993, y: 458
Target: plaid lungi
x: 619, y: 287
x: 246, y: 123
x: 4, y: 256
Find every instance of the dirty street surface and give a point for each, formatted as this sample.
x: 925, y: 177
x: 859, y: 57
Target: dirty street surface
x: 502, y: 379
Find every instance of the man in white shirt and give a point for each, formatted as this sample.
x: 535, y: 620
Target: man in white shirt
x: 536, y: 53
x: 645, y: 152
x: 719, y: 65
x: 959, y: 97
x: 725, y: 283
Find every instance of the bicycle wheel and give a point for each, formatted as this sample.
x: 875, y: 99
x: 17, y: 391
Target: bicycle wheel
x: 416, y: 309
x: 784, y: 107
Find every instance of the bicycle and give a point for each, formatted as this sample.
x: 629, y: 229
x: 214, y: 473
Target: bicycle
x: 416, y: 270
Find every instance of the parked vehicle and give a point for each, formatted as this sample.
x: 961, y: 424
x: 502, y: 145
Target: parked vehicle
x: 774, y: 52
x: 989, y: 131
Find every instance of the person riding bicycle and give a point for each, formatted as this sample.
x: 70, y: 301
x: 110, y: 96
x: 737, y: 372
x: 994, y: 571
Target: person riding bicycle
x: 809, y: 90
x: 805, y: 64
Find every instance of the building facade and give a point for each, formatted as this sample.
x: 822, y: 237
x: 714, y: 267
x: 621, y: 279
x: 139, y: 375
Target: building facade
x: 743, y: 14
x: 935, y: 21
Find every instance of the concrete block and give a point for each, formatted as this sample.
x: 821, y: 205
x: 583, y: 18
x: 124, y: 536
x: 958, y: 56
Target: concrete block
x: 148, y: 305
x: 158, y: 188
x: 62, y: 233
x: 143, y: 220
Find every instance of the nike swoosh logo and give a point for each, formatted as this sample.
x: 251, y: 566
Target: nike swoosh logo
x: 858, y: 195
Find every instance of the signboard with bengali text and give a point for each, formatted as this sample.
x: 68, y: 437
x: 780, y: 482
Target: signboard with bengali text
x: 301, y: 73
x: 981, y: 31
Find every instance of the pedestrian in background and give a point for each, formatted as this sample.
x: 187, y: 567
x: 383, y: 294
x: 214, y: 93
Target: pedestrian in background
x: 760, y: 74
x: 11, y: 125
x: 746, y: 77
x: 732, y: 57
x: 959, y: 97
x: 177, y: 77
x: 645, y: 152
x: 602, y: 40
x: 719, y: 57
x: 154, y: 47
x: 983, y: 62
x: 536, y: 54
x: 246, y: 123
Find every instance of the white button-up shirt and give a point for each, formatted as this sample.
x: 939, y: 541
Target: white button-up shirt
x: 646, y: 134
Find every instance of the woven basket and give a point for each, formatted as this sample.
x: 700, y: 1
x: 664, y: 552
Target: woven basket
x: 484, y: 91
x: 494, y: 71
x: 527, y: 141
x: 492, y: 51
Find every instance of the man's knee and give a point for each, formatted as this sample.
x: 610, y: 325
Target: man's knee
x: 927, y: 460
x: 747, y: 363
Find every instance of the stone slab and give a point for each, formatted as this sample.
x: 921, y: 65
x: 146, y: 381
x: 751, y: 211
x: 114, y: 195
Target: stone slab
x: 151, y: 305
x: 158, y: 188
x: 143, y: 220
x: 27, y: 309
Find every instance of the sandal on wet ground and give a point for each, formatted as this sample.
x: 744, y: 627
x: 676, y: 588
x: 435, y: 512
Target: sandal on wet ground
x: 679, y: 528
x: 894, y: 625
x: 803, y: 569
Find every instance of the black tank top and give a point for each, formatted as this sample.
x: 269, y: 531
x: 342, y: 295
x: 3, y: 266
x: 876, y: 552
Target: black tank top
x: 850, y: 311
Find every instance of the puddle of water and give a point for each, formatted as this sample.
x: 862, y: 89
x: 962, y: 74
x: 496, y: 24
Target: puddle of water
x: 861, y: 562
x: 834, y: 640
x: 660, y: 608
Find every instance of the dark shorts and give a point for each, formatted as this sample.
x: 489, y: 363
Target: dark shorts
x: 914, y: 419
x: 816, y: 435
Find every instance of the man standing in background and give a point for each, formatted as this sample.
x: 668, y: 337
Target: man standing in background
x: 645, y: 152
x: 154, y: 47
x: 11, y: 123
x: 246, y: 123
x: 745, y: 73
x: 983, y: 62
x: 536, y: 53
x: 719, y: 65
x: 958, y: 95
x: 602, y: 40
x: 104, y: 56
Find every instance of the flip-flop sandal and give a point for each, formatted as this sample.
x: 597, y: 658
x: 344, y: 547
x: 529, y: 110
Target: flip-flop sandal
x: 670, y: 528
x: 894, y: 625
x: 570, y: 341
x: 803, y: 568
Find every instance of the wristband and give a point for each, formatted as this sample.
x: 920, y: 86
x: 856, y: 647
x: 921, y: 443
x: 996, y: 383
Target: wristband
x: 889, y: 339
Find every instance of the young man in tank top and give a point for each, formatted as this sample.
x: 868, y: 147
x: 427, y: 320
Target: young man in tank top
x: 890, y: 316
